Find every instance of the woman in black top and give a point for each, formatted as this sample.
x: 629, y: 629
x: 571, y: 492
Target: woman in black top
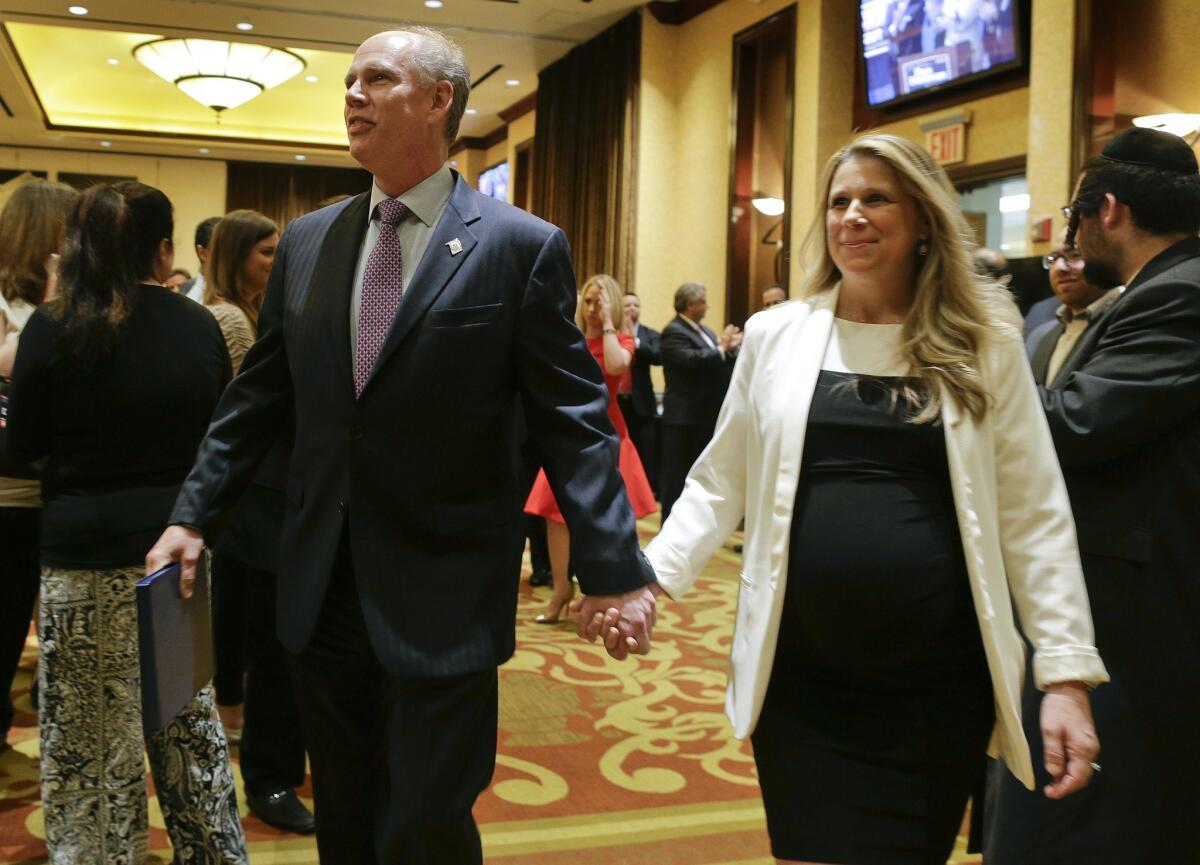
x: 114, y: 385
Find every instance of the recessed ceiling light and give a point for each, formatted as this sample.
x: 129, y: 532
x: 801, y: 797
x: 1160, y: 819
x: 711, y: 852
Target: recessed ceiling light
x: 512, y: 82
x: 434, y: 4
x: 77, y: 10
x: 311, y: 79
x: 113, y: 61
x: 244, y: 26
x: 454, y: 163
x: 106, y: 144
x: 300, y: 157
x: 204, y: 150
x: 472, y: 111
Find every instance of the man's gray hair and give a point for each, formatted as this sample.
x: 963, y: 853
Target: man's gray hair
x: 435, y: 58
x: 686, y: 293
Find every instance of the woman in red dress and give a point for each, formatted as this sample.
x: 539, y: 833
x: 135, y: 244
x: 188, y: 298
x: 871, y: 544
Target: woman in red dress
x: 599, y: 315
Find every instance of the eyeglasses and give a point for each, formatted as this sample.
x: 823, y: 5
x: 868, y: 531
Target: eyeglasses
x: 1069, y: 257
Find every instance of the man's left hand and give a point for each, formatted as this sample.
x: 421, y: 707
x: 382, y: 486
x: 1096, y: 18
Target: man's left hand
x: 626, y: 622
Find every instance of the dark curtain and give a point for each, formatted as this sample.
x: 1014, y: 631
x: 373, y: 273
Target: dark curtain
x: 585, y: 169
x: 283, y: 192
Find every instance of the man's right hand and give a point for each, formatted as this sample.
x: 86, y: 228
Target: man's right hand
x: 177, y: 544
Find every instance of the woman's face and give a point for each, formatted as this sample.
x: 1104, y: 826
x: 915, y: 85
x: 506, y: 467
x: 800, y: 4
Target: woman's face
x: 256, y: 269
x: 593, y: 305
x: 871, y: 224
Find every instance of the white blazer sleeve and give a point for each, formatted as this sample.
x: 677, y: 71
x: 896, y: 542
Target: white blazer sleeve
x: 1037, y: 531
x: 713, y: 501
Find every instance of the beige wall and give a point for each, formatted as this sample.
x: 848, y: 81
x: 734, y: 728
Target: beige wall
x: 196, y: 187
x: 999, y: 127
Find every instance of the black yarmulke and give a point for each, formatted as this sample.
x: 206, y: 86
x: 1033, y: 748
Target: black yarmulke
x: 1151, y: 148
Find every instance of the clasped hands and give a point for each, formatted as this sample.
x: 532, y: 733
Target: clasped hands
x: 624, y: 622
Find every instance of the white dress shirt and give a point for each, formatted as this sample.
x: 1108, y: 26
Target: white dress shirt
x: 426, y: 202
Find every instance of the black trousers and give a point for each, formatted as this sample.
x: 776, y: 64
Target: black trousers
x: 20, y: 545
x: 397, y: 763
x: 643, y: 431
x: 680, y: 447
x: 272, y: 749
x: 231, y: 629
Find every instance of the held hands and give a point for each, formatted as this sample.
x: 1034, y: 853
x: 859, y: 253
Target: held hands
x: 177, y: 544
x: 1069, y: 740
x: 625, y: 622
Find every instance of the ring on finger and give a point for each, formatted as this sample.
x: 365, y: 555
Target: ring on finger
x: 1095, y: 767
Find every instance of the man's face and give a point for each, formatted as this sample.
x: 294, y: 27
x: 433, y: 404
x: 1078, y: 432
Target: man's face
x: 1101, y: 263
x: 175, y: 281
x: 388, y: 111
x: 1067, y: 279
x: 632, y: 307
x: 773, y: 297
x: 696, y: 309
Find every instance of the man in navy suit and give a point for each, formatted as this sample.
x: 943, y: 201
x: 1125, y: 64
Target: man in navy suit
x: 406, y: 328
x: 697, y: 366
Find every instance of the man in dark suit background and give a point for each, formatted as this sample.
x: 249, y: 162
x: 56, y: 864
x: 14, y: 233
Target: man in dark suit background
x: 1077, y: 303
x: 193, y: 289
x: 635, y: 395
x: 1124, y: 411
x: 697, y: 366
x: 404, y: 327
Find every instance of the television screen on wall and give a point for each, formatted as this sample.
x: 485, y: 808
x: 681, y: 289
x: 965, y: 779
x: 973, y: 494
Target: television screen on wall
x: 493, y: 181
x: 913, y: 47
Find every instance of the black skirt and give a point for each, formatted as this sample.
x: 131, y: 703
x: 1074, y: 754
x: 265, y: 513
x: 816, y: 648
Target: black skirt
x: 880, y: 706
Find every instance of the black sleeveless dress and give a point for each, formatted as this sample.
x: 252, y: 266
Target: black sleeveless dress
x: 880, y: 705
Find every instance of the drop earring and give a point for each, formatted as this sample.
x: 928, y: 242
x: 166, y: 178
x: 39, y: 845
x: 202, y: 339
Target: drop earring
x: 923, y: 248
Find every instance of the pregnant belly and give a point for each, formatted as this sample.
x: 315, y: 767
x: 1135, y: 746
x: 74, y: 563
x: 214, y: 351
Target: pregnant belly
x: 877, y: 581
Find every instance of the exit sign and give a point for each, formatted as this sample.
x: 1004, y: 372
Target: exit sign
x: 947, y: 145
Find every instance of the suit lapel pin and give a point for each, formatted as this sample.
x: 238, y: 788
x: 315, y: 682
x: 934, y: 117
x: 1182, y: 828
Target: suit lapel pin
x: 455, y: 246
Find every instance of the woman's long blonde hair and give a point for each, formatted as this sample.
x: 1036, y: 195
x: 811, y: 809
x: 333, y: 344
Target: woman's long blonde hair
x: 616, y: 299
x: 955, y: 309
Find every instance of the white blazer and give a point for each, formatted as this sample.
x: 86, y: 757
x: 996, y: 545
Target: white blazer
x: 1013, y: 513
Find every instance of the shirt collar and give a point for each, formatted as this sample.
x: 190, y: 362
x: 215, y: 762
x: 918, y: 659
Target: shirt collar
x: 1093, y: 310
x: 695, y: 325
x: 426, y: 200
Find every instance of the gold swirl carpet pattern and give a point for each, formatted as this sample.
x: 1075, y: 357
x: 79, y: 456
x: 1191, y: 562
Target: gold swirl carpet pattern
x: 603, y: 762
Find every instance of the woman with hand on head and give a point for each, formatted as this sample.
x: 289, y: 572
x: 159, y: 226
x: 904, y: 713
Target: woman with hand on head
x: 114, y: 384
x: 883, y: 439
x: 599, y: 314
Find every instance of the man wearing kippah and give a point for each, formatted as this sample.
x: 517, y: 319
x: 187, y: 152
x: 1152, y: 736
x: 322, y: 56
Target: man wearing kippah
x: 1124, y: 410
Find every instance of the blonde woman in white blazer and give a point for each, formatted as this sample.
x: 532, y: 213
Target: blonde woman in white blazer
x: 895, y: 328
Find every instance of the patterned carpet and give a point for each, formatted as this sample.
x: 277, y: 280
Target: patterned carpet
x: 601, y: 762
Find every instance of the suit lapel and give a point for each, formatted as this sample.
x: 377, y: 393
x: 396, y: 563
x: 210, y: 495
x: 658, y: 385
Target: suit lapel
x: 333, y: 282
x: 438, y: 265
x: 1045, y: 348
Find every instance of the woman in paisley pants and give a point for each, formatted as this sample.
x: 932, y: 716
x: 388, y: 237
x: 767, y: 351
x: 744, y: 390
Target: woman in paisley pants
x: 113, y: 385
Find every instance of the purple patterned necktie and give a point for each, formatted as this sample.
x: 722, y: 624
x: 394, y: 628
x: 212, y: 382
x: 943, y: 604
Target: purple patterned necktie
x: 382, y: 287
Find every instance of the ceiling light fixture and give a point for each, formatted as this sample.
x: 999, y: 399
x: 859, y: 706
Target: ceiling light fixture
x: 218, y: 74
x: 471, y: 111
x: 106, y: 144
x: 244, y: 26
x: 434, y: 4
x: 300, y: 157
x: 311, y: 79
x: 77, y: 10
x: 512, y: 82
x: 113, y: 61
x: 204, y: 150
x: 1182, y: 125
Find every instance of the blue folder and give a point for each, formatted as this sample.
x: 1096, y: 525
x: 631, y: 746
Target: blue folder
x: 174, y: 643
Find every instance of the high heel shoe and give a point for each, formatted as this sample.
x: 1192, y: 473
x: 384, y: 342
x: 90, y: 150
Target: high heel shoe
x: 554, y: 611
